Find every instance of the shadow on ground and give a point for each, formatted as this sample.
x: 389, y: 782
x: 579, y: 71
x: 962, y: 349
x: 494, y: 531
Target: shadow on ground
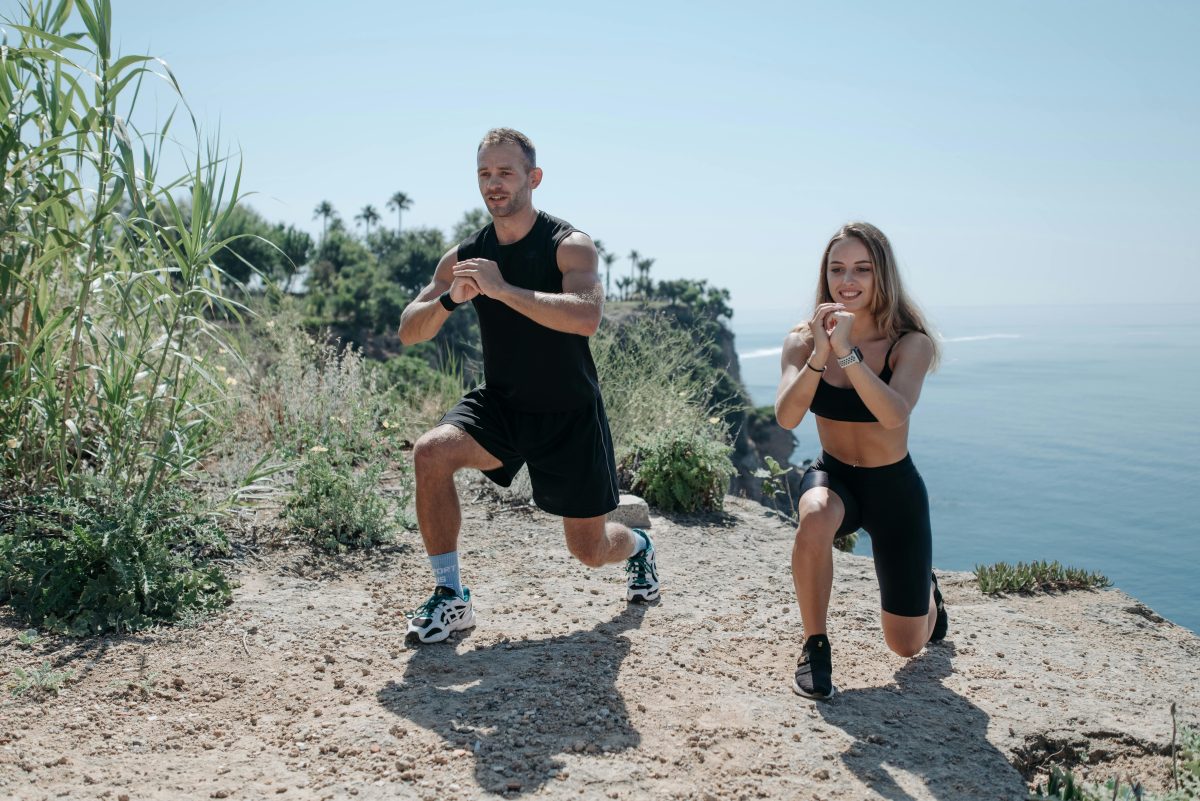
x: 918, y: 732
x: 515, y: 706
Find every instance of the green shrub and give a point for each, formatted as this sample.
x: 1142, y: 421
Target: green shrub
x: 681, y: 471
x: 103, y: 563
x: 41, y: 680
x: 1003, y: 577
x: 335, y: 509
x: 655, y: 377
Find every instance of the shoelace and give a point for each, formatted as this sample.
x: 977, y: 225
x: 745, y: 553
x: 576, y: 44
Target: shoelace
x: 426, y: 609
x: 638, y: 563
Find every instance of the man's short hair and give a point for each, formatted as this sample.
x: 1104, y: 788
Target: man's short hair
x: 510, y: 136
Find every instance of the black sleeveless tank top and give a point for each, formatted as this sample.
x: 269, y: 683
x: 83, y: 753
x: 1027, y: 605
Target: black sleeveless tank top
x: 843, y: 403
x: 528, y: 366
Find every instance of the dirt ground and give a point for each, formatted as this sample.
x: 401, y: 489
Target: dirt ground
x: 303, y: 688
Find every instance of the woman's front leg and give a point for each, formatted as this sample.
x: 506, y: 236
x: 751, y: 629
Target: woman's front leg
x: 821, y: 512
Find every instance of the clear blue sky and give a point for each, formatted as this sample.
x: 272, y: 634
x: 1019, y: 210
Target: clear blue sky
x: 1017, y: 152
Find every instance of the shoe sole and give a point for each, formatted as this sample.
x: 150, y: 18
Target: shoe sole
x: 642, y: 596
x: 812, y: 696
x: 415, y: 638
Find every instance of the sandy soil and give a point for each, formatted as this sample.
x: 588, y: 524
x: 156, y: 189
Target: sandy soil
x: 303, y: 688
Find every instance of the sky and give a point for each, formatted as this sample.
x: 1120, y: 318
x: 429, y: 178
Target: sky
x: 1015, y: 153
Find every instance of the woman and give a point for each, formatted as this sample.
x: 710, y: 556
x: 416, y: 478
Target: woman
x: 858, y: 366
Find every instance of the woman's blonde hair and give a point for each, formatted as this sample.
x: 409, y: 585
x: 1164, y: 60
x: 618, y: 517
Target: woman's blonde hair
x: 894, y: 312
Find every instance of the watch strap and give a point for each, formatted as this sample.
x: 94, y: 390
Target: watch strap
x: 853, y: 357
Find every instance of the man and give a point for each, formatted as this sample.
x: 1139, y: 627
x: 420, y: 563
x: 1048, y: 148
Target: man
x: 534, y: 284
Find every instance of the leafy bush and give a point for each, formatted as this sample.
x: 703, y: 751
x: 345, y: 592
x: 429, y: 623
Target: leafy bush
x: 1002, y: 577
x: 104, y: 562
x: 655, y: 376
x: 335, y: 509
x: 681, y: 471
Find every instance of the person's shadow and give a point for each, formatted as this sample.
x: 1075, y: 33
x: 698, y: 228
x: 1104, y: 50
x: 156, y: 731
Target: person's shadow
x: 920, y: 731
x: 516, y: 705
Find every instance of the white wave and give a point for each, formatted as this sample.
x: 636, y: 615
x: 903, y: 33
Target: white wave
x: 760, y: 353
x: 980, y: 338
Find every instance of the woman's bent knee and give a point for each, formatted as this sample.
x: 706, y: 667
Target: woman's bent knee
x: 820, y: 515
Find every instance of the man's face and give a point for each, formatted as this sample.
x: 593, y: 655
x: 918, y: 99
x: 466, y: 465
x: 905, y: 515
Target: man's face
x: 504, y: 182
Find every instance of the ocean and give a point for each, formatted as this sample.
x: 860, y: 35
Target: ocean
x: 1066, y: 433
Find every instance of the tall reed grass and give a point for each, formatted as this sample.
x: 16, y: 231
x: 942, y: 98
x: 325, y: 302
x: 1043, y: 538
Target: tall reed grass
x: 108, y: 295
x: 107, y: 287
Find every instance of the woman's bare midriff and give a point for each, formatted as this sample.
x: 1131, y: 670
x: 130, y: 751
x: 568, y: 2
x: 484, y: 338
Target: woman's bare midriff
x: 863, y: 444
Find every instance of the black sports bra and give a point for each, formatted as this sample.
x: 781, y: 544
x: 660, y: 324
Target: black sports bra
x: 843, y: 403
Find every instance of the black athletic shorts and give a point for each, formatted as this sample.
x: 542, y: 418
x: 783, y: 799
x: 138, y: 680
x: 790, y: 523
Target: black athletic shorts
x: 889, y: 503
x: 570, y: 454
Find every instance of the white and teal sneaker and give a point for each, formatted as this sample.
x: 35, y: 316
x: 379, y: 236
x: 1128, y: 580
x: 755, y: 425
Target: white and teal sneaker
x: 443, y: 613
x: 641, y: 574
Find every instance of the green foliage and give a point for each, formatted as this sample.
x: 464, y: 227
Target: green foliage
x: 40, y: 680
x: 104, y: 562
x: 275, y: 251
x: 107, y: 278
x: 1003, y: 577
x: 335, y: 509
x: 655, y: 376
x: 27, y: 638
x: 471, y: 222
x: 304, y: 393
x: 681, y: 471
x: 421, y: 392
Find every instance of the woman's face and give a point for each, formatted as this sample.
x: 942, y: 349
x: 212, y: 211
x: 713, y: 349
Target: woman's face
x: 850, y: 274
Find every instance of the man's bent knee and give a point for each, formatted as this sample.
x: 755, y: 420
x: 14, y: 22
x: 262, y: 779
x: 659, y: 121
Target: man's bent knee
x: 589, y: 555
x: 434, y: 451
x: 586, y: 541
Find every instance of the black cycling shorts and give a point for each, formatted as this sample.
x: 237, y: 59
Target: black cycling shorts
x: 570, y: 454
x: 889, y: 503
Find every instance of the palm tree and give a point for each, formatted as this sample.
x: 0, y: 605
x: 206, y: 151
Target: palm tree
x: 368, y: 215
x: 401, y: 203
x: 609, y: 258
x: 633, y: 260
x: 644, y: 282
x: 327, y: 212
x: 622, y: 285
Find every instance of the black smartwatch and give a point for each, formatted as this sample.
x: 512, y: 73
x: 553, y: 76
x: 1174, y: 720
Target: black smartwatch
x: 447, y: 303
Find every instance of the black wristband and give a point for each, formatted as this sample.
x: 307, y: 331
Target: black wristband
x: 814, y: 369
x: 447, y: 304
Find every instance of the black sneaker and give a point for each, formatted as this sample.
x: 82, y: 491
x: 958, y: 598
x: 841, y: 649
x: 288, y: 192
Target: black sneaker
x: 942, y: 624
x: 814, y: 671
x: 443, y: 613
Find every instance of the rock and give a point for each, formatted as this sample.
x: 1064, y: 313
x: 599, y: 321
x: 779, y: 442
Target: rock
x: 631, y: 511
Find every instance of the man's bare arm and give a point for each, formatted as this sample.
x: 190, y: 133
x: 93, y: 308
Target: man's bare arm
x: 425, y: 315
x: 575, y: 310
